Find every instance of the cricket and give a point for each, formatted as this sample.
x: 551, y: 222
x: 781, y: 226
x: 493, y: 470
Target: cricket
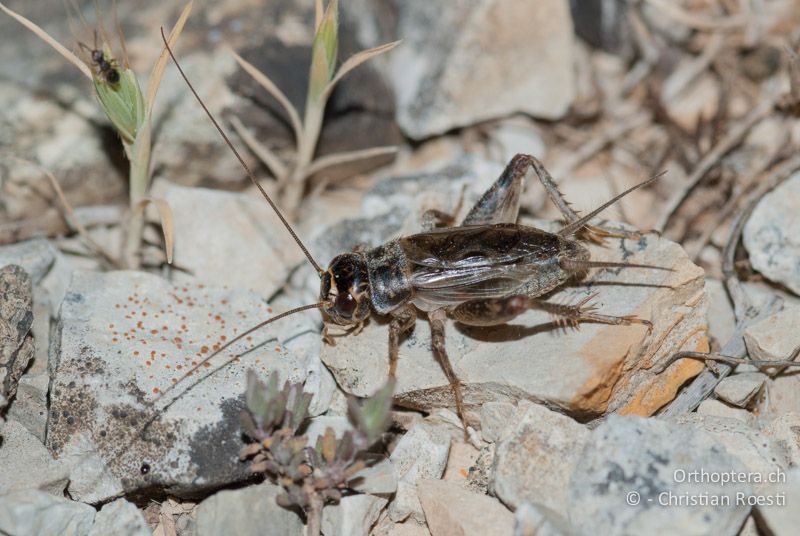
x: 485, y: 271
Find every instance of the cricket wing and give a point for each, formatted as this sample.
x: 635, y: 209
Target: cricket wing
x: 451, y: 266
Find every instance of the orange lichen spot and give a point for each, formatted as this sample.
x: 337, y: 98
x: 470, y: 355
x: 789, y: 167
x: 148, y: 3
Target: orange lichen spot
x: 184, y: 289
x: 183, y: 327
x: 147, y: 363
x: 164, y: 328
x: 178, y: 367
x: 269, y: 309
x: 207, y: 364
x: 189, y: 303
x: 216, y: 347
x: 183, y: 318
x: 277, y: 348
x: 463, y: 472
x: 179, y: 346
x: 140, y: 324
x: 136, y: 353
x: 174, y: 380
x: 153, y: 332
x: 152, y: 353
x: 217, y: 317
x: 156, y: 390
x: 111, y: 326
x: 116, y: 306
x: 204, y: 350
x: 180, y: 301
x: 201, y: 286
x: 223, y: 338
x: 163, y: 354
x: 194, y: 363
x: 144, y: 313
x: 223, y: 301
x: 115, y: 340
x: 167, y: 367
x: 133, y: 313
x: 178, y: 339
x: 248, y: 338
x: 130, y: 298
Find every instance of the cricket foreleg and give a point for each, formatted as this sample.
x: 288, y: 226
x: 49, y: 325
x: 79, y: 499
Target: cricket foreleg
x: 494, y: 311
x: 402, y: 320
x: 437, y: 319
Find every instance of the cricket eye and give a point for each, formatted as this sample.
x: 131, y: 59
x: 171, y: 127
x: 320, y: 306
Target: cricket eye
x: 345, y: 304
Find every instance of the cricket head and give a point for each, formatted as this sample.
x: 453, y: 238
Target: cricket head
x: 344, y: 289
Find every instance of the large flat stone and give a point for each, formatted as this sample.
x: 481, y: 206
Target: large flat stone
x: 126, y: 337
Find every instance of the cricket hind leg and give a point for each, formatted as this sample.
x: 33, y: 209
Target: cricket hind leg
x: 501, y: 202
x: 496, y: 311
x: 437, y: 319
x: 434, y: 218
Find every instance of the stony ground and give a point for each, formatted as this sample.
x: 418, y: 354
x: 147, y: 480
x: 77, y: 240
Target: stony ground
x: 570, y: 431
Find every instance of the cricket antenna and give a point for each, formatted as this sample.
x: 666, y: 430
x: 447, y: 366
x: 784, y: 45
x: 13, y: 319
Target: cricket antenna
x: 577, y: 225
x: 224, y: 364
x: 241, y: 160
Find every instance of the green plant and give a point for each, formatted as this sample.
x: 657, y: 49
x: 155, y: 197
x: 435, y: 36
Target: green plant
x: 323, y: 77
x: 311, y: 475
x: 130, y: 112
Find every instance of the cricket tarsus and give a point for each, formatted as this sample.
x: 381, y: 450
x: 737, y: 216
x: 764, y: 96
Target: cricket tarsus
x: 241, y: 160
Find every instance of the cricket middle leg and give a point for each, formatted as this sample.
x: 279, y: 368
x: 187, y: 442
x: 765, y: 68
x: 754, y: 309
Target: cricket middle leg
x: 437, y: 319
x: 496, y: 311
x: 403, y: 320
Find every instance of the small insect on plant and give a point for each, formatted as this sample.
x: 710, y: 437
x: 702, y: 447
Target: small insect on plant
x: 107, y: 69
x: 483, y: 272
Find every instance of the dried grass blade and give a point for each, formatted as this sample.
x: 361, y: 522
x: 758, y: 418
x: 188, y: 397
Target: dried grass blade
x: 264, y: 81
x: 263, y: 152
x: 357, y: 59
x: 161, y: 63
x: 348, y: 156
x: 44, y: 36
x: 167, y: 222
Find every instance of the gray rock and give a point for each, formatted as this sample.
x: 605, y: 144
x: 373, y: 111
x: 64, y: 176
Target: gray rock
x: 537, y: 520
x: 123, y: 338
x: 120, y: 518
x: 240, y: 233
x: 784, y: 432
x: 452, y: 511
x: 771, y: 236
x: 36, y: 256
x: 775, y: 337
x: 420, y: 454
x: 26, y: 464
x: 534, y: 463
x: 38, y: 512
x: 378, y: 479
x: 496, y: 420
x: 16, y: 318
x: 632, y: 469
x: 721, y: 320
x: 248, y: 511
x: 759, y: 454
x: 442, y: 82
x: 354, y: 515
x: 776, y: 513
x: 739, y: 389
x: 718, y: 408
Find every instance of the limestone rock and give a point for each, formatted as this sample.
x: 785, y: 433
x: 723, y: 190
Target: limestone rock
x: 120, y: 517
x: 534, y: 463
x: 38, y: 512
x: 453, y: 511
x: 721, y: 320
x: 354, y: 515
x: 123, y: 339
x: 718, y: 408
x: 441, y: 82
x: 537, y: 520
x: 247, y: 512
x: 219, y: 234
x: 771, y: 236
x: 775, y: 337
x: 26, y: 464
x: 496, y: 420
x: 420, y: 454
x: 739, y: 389
x: 16, y: 318
x: 776, y: 514
x: 626, y: 478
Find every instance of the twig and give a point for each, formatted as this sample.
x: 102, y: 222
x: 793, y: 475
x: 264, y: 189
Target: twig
x: 733, y: 138
x: 697, y: 22
x: 730, y: 360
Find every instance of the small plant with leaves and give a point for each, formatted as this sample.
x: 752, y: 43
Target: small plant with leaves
x: 323, y: 77
x: 311, y: 475
x: 130, y: 111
